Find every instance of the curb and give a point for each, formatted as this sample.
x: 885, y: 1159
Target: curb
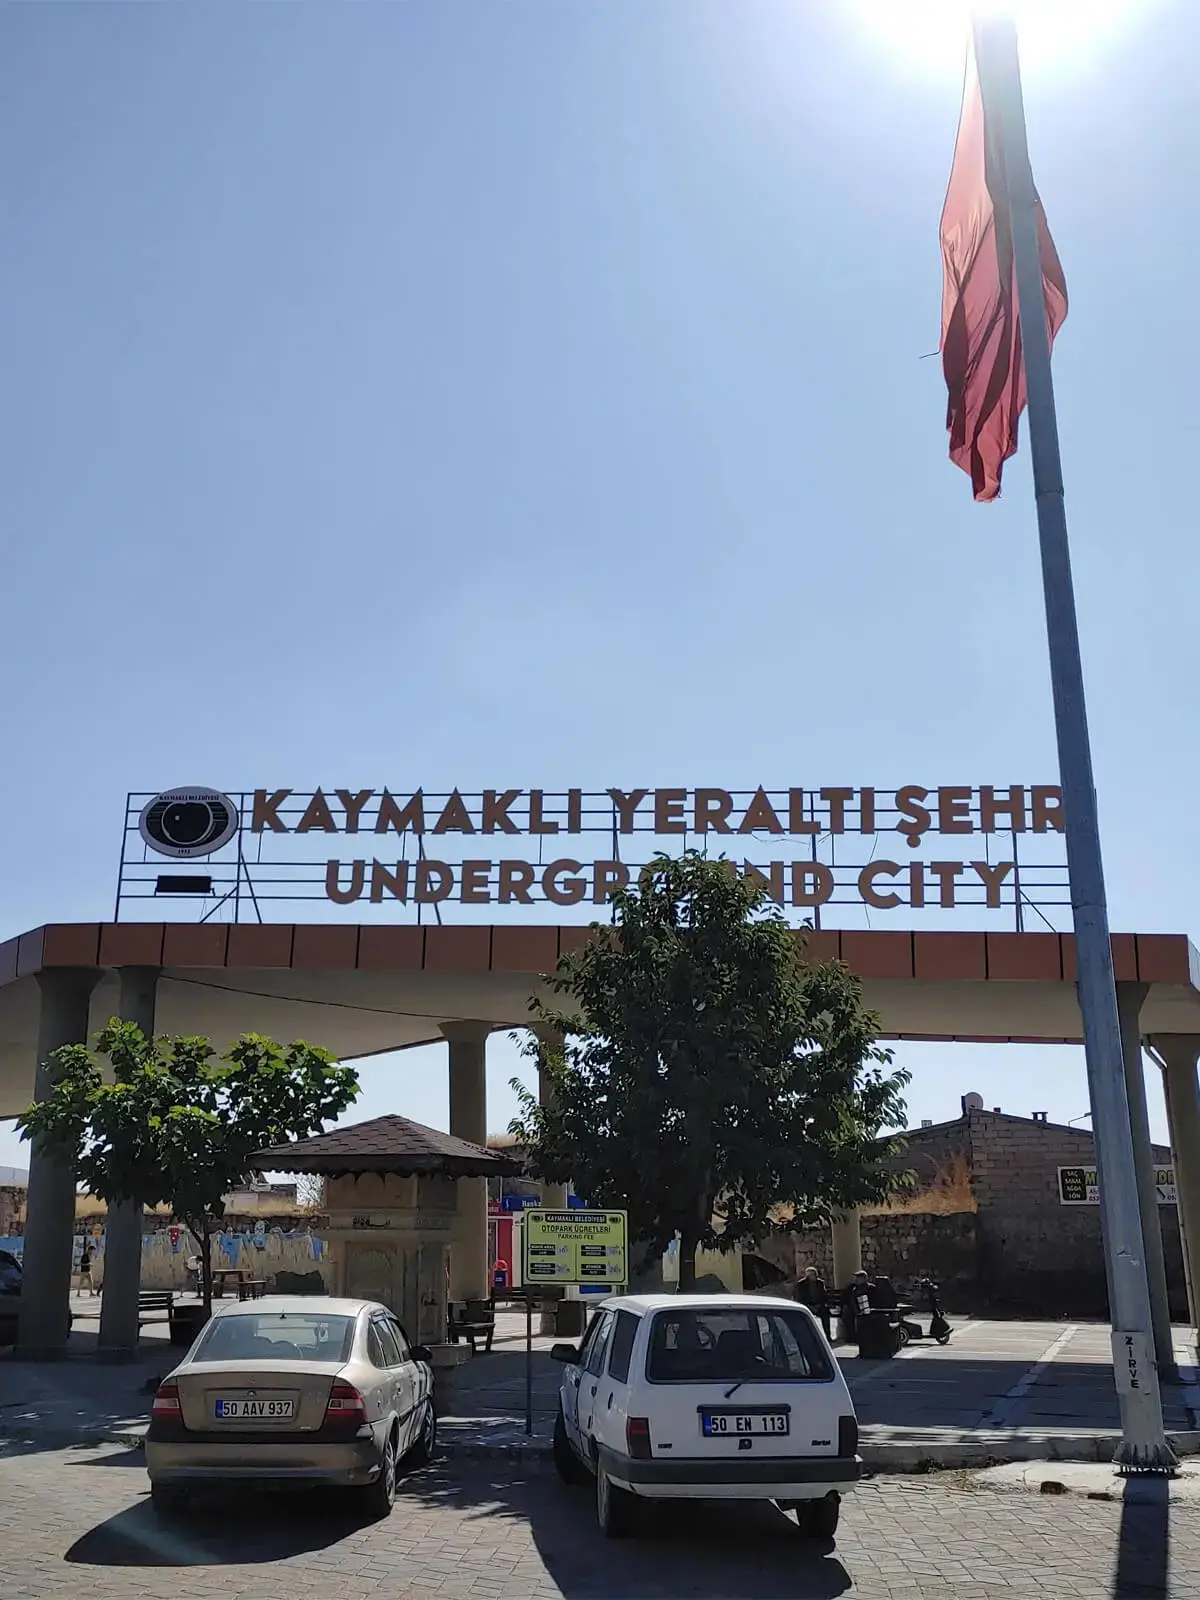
x: 886, y: 1457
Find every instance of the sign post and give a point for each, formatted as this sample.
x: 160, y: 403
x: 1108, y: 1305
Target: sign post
x: 570, y: 1249
x: 1080, y: 1186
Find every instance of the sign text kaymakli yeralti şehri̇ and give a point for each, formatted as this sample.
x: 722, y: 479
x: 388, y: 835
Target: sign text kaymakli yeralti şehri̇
x: 791, y: 822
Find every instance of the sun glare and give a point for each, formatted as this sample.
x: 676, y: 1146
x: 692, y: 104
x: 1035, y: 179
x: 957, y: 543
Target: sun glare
x: 928, y: 34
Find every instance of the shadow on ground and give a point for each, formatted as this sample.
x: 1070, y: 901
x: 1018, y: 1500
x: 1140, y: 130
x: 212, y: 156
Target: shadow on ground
x: 222, y: 1529
x: 1144, y: 1547
x: 701, y: 1551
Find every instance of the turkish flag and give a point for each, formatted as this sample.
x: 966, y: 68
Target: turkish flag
x: 981, y: 339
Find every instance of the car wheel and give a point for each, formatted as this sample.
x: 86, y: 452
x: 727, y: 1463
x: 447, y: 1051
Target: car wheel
x: 168, y: 1499
x: 379, y: 1497
x: 615, y: 1509
x: 422, y: 1452
x: 818, y: 1519
x: 566, y: 1464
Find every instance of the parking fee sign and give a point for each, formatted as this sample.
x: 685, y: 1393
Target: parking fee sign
x: 575, y: 1247
x: 1080, y: 1186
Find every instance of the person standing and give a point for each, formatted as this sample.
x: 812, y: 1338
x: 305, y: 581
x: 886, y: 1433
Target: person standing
x: 811, y: 1292
x: 85, y: 1269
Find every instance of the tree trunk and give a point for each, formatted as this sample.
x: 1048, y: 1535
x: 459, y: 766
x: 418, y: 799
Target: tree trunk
x: 203, y: 1238
x: 689, y: 1239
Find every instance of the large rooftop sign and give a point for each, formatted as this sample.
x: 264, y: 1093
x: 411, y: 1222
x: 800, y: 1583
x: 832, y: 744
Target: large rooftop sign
x: 997, y: 848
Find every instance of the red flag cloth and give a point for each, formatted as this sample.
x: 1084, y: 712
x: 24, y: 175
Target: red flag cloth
x: 981, y: 347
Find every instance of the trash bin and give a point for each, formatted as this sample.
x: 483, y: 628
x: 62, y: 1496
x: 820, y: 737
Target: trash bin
x: 878, y: 1336
x: 570, y: 1319
x: 184, y: 1323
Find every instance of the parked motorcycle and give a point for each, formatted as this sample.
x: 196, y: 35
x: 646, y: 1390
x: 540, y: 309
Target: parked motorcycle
x: 939, y: 1329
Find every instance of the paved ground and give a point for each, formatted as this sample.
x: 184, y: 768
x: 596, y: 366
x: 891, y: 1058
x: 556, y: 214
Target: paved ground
x: 999, y: 1390
x: 76, y: 1524
x: 1046, y: 1384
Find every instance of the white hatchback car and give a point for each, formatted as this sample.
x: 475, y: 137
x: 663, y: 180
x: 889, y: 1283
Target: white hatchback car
x: 706, y: 1397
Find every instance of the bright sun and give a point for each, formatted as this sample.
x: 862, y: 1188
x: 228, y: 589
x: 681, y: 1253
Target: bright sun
x: 927, y: 33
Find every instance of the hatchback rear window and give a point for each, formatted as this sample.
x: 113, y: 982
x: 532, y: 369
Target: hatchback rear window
x: 277, y: 1336
x: 703, y: 1345
x: 621, y: 1348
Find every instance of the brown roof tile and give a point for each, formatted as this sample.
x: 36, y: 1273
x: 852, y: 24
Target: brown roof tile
x: 386, y: 1144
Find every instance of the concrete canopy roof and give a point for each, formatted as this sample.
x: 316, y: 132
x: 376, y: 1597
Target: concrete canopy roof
x: 360, y: 991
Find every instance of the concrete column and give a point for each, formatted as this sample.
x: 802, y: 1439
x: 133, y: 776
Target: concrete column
x: 554, y: 1195
x: 50, y: 1215
x: 470, y: 1277
x: 847, y: 1247
x: 1179, y: 1052
x: 1129, y: 1007
x: 1187, y: 1266
x: 123, y: 1228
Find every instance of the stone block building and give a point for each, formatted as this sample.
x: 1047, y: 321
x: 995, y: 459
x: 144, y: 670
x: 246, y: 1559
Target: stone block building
x: 999, y: 1238
x: 1035, y: 1254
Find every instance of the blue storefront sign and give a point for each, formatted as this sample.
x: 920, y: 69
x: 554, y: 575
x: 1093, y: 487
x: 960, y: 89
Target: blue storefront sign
x: 523, y: 1202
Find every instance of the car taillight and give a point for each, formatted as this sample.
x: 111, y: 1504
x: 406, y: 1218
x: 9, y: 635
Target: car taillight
x: 637, y: 1438
x: 847, y: 1436
x: 166, y: 1401
x: 346, y: 1403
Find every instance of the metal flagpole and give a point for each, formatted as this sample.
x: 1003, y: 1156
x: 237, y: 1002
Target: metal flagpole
x: 1144, y: 1447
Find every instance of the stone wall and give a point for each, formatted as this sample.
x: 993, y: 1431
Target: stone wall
x: 12, y: 1209
x: 1037, y: 1255
x: 903, y: 1245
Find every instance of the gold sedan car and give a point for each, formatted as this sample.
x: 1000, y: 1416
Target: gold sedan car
x: 299, y: 1390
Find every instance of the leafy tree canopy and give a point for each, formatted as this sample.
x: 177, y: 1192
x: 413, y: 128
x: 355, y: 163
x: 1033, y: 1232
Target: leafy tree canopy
x: 708, y: 1070
x: 173, y: 1122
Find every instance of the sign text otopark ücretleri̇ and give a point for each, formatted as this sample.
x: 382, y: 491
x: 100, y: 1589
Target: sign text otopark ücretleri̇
x: 730, y: 823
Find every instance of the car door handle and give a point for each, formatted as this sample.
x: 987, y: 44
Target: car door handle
x: 593, y: 1389
x: 608, y: 1407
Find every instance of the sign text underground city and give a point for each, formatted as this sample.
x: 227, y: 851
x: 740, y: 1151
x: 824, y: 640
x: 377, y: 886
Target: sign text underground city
x: 789, y: 820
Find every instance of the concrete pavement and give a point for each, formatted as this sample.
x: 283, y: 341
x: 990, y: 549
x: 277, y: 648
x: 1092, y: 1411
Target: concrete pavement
x: 77, y: 1524
x: 1000, y: 1391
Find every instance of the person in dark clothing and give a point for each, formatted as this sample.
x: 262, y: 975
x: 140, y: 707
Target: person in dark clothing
x: 857, y: 1302
x: 811, y: 1292
x: 882, y: 1294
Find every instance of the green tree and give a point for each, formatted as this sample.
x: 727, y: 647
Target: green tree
x: 178, y: 1124
x: 708, y: 1070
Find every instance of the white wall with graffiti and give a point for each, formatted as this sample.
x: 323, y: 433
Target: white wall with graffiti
x: 259, y: 1249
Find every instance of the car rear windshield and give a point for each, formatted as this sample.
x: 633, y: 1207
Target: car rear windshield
x: 743, y: 1344
x: 277, y: 1336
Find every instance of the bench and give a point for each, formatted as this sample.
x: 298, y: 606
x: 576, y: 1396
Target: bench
x: 151, y: 1300
x: 475, y: 1322
x: 252, y: 1288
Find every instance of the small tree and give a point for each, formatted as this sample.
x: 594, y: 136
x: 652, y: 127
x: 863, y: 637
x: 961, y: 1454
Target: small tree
x: 180, y: 1125
x: 709, y: 1073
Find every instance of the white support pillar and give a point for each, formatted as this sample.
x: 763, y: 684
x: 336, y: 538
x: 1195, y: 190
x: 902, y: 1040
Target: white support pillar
x: 1179, y: 1053
x: 123, y: 1229
x: 847, y: 1247
x: 470, y: 1275
x: 846, y: 1230
x: 554, y: 1195
x: 1129, y: 1007
x: 44, y: 1319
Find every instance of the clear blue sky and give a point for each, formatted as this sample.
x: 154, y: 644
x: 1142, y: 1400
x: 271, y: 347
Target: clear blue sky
x: 466, y: 392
